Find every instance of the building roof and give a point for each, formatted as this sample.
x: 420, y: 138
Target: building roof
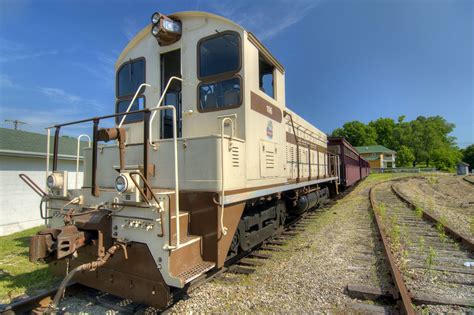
x: 18, y: 142
x: 463, y: 163
x: 373, y: 149
x: 372, y: 157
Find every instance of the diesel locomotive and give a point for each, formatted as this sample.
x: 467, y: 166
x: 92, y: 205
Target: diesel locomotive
x: 204, y: 161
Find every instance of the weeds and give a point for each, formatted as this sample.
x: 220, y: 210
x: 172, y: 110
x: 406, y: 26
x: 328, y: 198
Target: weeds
x: 441, y: 234
x: 419, y: 212
x: 430, y: 258
x: 404, y: 260
x: 421, y: 244
x: 382, y: 210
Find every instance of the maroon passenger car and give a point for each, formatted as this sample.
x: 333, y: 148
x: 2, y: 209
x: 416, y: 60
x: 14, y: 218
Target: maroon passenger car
x: 353, y: 166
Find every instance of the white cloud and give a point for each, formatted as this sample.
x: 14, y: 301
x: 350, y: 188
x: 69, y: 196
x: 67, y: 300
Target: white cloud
x: 9, y: 57
x: 265, y: 18
x: 79, y: 103
x: 60, y: 95
x: 101, y: 66
x: 17, y: 51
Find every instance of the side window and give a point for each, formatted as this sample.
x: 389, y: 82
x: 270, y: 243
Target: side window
x: 219, y: 61
x: 122, y: 106
x: 266, y: 77
x: 129, y: 77
x: 219, y: 55
x: 221, y: 94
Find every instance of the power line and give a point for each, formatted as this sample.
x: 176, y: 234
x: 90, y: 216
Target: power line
x: 16, y: 123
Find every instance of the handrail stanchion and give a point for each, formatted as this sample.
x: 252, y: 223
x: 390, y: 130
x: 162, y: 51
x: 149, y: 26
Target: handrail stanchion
x: 48, y: 144
x: 131, y: 103
x: 176, y: 174
x: 77, y: 153
x: 158, y: 105
x: 224, y: 120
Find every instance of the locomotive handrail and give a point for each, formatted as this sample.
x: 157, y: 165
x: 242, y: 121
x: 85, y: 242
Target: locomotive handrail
x: 77, y: 153
x: 131, y: 103
x: 297, y: 147
x: 176, y: 174
x: 224, y: 120
x: 150, y: 138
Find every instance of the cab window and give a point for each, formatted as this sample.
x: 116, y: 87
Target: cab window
x: 266, y: 76
x: 220, y: 94
x: 122, y: 106
x: 129, y: 77
x: 219, y: 55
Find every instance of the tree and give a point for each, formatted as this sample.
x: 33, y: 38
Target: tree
x: 404, y: 156
x: 384, y: 129
x: 445, y: 158
x: 468, y: 155
x: 426, y: 138
x: 357, y: 133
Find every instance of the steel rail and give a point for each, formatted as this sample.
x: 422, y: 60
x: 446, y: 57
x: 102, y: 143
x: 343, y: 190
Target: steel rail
x: 434, y: 219
x: 468, y: 180
x: 404, y: 294
x: 39, y: 302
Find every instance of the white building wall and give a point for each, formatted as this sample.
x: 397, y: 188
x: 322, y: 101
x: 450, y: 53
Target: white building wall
x: 19, y: 205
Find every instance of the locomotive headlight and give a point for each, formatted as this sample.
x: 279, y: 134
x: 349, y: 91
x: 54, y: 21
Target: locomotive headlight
x: 121, y: 183
x: 54, y: 181
x: 155, y: 18
x: 172, y: 26
x: 155, y: 30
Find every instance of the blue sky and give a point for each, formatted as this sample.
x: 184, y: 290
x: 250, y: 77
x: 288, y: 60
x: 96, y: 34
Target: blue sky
x: 345, y: 59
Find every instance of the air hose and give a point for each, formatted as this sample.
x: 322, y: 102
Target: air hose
x: 90, y: 266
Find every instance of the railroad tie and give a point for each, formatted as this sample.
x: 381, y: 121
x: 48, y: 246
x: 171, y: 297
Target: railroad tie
x: 241, y: 270
x: 250, y: 262
x: 260, y: 255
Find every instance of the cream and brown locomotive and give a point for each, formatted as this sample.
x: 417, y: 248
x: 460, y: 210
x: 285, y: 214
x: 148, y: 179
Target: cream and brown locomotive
x: 205, y: 161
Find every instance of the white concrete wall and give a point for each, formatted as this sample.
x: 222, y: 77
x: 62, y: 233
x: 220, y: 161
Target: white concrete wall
x: 19, y: 205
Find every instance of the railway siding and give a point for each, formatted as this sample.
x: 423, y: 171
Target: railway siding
x: 430, y: 262
x: 447, y: 199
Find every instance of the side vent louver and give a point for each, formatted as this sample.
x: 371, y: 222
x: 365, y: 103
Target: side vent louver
x: 235, y: 153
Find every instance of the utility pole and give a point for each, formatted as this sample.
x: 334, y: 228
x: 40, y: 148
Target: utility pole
x: 16, y: 123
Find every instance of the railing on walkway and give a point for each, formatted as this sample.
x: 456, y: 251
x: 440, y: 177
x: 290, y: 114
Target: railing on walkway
x: 149, y: 114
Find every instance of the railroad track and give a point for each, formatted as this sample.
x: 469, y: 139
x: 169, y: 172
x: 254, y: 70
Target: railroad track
x: 244, y: 263
x: 426, y: 258
x: 469, y: 179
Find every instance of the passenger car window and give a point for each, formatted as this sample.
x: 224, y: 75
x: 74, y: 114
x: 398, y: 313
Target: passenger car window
x: 219, y: 54
x: 122, y: 106
x: 219, y: 95
x: 130, y: 76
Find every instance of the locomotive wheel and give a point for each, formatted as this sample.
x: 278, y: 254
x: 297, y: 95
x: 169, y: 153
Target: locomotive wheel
x: 282, y: 217
x: 234, y: 246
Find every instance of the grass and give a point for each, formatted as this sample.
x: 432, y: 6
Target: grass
x: 18, y: 275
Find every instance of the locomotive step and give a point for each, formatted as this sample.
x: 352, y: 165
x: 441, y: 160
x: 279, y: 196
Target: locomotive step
x: 195, y: 271
x: 183, y: 225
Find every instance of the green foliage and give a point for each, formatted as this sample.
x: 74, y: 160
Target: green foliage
x: 384, y: 129
x: 421, y: 244
x: 357, y: 133
x: 468, y: 155
x: 430, y: 258
x: 441, y: 234
x: 419, y: 212
x: 404, y: 156
x: 425, y: 140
